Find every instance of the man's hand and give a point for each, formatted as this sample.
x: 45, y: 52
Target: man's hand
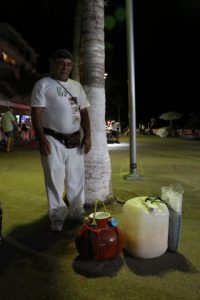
x: 86, y: 144
x: 85, y: 122
x: 44, y: 146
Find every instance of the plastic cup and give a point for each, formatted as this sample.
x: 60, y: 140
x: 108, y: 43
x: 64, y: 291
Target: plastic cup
x: 165, y: 192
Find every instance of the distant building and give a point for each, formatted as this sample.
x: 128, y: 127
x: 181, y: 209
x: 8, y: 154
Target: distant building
x: 18, y: 68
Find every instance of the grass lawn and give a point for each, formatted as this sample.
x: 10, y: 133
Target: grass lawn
x: 37, y: 264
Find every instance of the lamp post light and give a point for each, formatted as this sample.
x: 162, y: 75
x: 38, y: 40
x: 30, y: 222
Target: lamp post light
x: 105, y: 75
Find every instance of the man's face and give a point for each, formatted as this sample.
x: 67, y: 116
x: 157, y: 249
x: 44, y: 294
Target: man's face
x: 61, y: 68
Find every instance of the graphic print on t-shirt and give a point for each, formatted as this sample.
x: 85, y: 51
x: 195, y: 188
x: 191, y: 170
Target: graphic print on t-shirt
x: 61, y: 92
x: 74, y: 105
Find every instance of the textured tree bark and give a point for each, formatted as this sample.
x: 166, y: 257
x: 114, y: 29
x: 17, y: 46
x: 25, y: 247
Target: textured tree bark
x: 97, y: 161
x: 76, y: 42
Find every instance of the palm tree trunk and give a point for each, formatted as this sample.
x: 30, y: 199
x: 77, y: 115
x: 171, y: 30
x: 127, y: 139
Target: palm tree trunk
x: 76, y: 42
x: 97, y: 162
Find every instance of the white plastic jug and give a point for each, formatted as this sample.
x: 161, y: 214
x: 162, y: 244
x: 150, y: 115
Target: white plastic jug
x: 145, y: 227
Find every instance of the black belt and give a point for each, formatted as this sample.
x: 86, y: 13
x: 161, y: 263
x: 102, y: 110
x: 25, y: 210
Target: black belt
x: 71, y: 140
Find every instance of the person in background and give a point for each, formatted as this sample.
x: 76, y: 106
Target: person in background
x: 143, y: 128
x: 59, y: 109
x: 8, y: 123
x: 1, y: 134
x: 25, y: 133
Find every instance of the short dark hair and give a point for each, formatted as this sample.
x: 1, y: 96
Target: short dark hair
x: 61, y: 53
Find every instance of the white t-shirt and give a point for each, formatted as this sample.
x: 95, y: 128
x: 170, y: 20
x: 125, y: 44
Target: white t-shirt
x: 62, y: 112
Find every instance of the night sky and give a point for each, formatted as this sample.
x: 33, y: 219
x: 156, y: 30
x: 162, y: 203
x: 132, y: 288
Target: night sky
x: 167, y: 50
x: 167, y: 55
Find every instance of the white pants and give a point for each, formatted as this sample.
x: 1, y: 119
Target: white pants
x: 63, y: 170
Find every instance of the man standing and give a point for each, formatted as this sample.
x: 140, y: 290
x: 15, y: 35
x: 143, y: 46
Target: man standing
x: 59, y: 109
x: 7, y: 124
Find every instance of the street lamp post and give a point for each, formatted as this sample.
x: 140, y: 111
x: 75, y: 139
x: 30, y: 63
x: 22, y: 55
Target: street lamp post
x: 131, y: 92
